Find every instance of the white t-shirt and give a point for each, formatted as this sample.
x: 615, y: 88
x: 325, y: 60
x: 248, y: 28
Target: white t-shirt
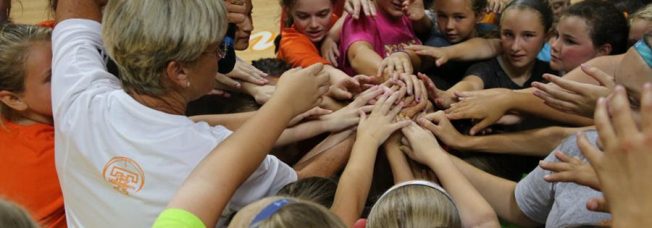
x: 120, y: 162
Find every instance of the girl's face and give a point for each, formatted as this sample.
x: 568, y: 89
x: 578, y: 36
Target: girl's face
x: 521, y: 35
x: 312, y: 18
x: 456, y: 19
x: 37, y: 82
x: 637, y: 28
x: 244, y: 29
x: 573, y: 45
x: 558, y: 6
x: 393, y: 8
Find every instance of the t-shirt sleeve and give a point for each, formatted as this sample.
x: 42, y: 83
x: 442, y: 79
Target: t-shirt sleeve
x: 535, y: 196
x: 298, y: 50
x: 363, y: 29
x: 483, y: 70
x: 173, y: 218
x: 77, y: 60
x: 270, y: 176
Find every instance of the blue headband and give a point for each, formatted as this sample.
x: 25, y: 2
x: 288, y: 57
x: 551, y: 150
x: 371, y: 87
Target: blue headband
x: 268, y: 211
x: 644, y: 51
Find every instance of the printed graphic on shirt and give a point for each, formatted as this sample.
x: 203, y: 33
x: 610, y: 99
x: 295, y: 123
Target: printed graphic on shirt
x: 391, y: 48
x: 124, y: 174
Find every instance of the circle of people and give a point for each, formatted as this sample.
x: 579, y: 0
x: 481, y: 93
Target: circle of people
x: 375, y: 113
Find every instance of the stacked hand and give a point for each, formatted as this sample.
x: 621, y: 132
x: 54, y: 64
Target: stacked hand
x: 575, y: 97
x: 484, y: 106
x: 350, y: 114
x: 304, y: 87
x: 623, y: 168
x: 380, y: 124
x: 353, y: 7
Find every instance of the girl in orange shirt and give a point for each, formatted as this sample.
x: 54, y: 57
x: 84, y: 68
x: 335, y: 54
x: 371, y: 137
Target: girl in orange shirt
x: 27, y: 170
x: 311, y: 24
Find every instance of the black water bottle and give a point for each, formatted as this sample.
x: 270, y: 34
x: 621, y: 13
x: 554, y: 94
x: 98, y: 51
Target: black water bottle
x: 227, y: 63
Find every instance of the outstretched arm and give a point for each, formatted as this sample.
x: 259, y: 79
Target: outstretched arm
x: 537, y: 142
x: 397, y: 161
x: 363, y: 58
x: 355, y: 182
x: 204, y: 193
x: 473, y: 209
x: 497, y: 191
x: 472, y: 49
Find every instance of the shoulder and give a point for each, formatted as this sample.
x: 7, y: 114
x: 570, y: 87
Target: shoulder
x: 485, y: 66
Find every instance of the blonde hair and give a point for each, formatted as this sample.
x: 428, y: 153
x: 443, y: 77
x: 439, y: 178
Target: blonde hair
x: 414, y: 205
x: 12, y: 215
x: 15, y: 43
x: 644, y: 13
x: 301, y: 213
x: 143, y: 36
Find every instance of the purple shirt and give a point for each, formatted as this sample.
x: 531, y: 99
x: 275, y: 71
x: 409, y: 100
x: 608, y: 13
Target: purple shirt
x: 385, y: 34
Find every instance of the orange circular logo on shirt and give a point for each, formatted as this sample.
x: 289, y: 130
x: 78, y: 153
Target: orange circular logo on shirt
x: 124, y: 174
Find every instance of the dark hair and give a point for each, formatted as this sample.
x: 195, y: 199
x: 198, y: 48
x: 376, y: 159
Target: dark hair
x: 540, y: 6
x: 272, y: 66
x: 628, y: 6
x: 606, y: 23
x: 478, y: 6
x: 320, y: 190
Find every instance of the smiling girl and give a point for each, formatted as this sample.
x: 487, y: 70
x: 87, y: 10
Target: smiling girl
x: 523, y: 30
x: 310, y: 21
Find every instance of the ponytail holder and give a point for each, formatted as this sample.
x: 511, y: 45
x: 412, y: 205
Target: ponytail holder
x: 269, y: 210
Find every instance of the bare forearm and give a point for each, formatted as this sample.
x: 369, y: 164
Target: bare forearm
x: 525, y: 101
x: 328, y: 162
x: 302, y: 131
x: 474, y: 49
x: 363, y: 59
x: 497, y: 191
x: 537, y: 142
x: 474, y: 210
x: 82, y: 9
x: 355, y: 182
x: 336, y: 30
x: 230, y: 121
x: 398, y: 162
x: 469, y: 83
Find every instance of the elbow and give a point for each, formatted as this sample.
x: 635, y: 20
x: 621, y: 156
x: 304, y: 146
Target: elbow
x: 360, y: 66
